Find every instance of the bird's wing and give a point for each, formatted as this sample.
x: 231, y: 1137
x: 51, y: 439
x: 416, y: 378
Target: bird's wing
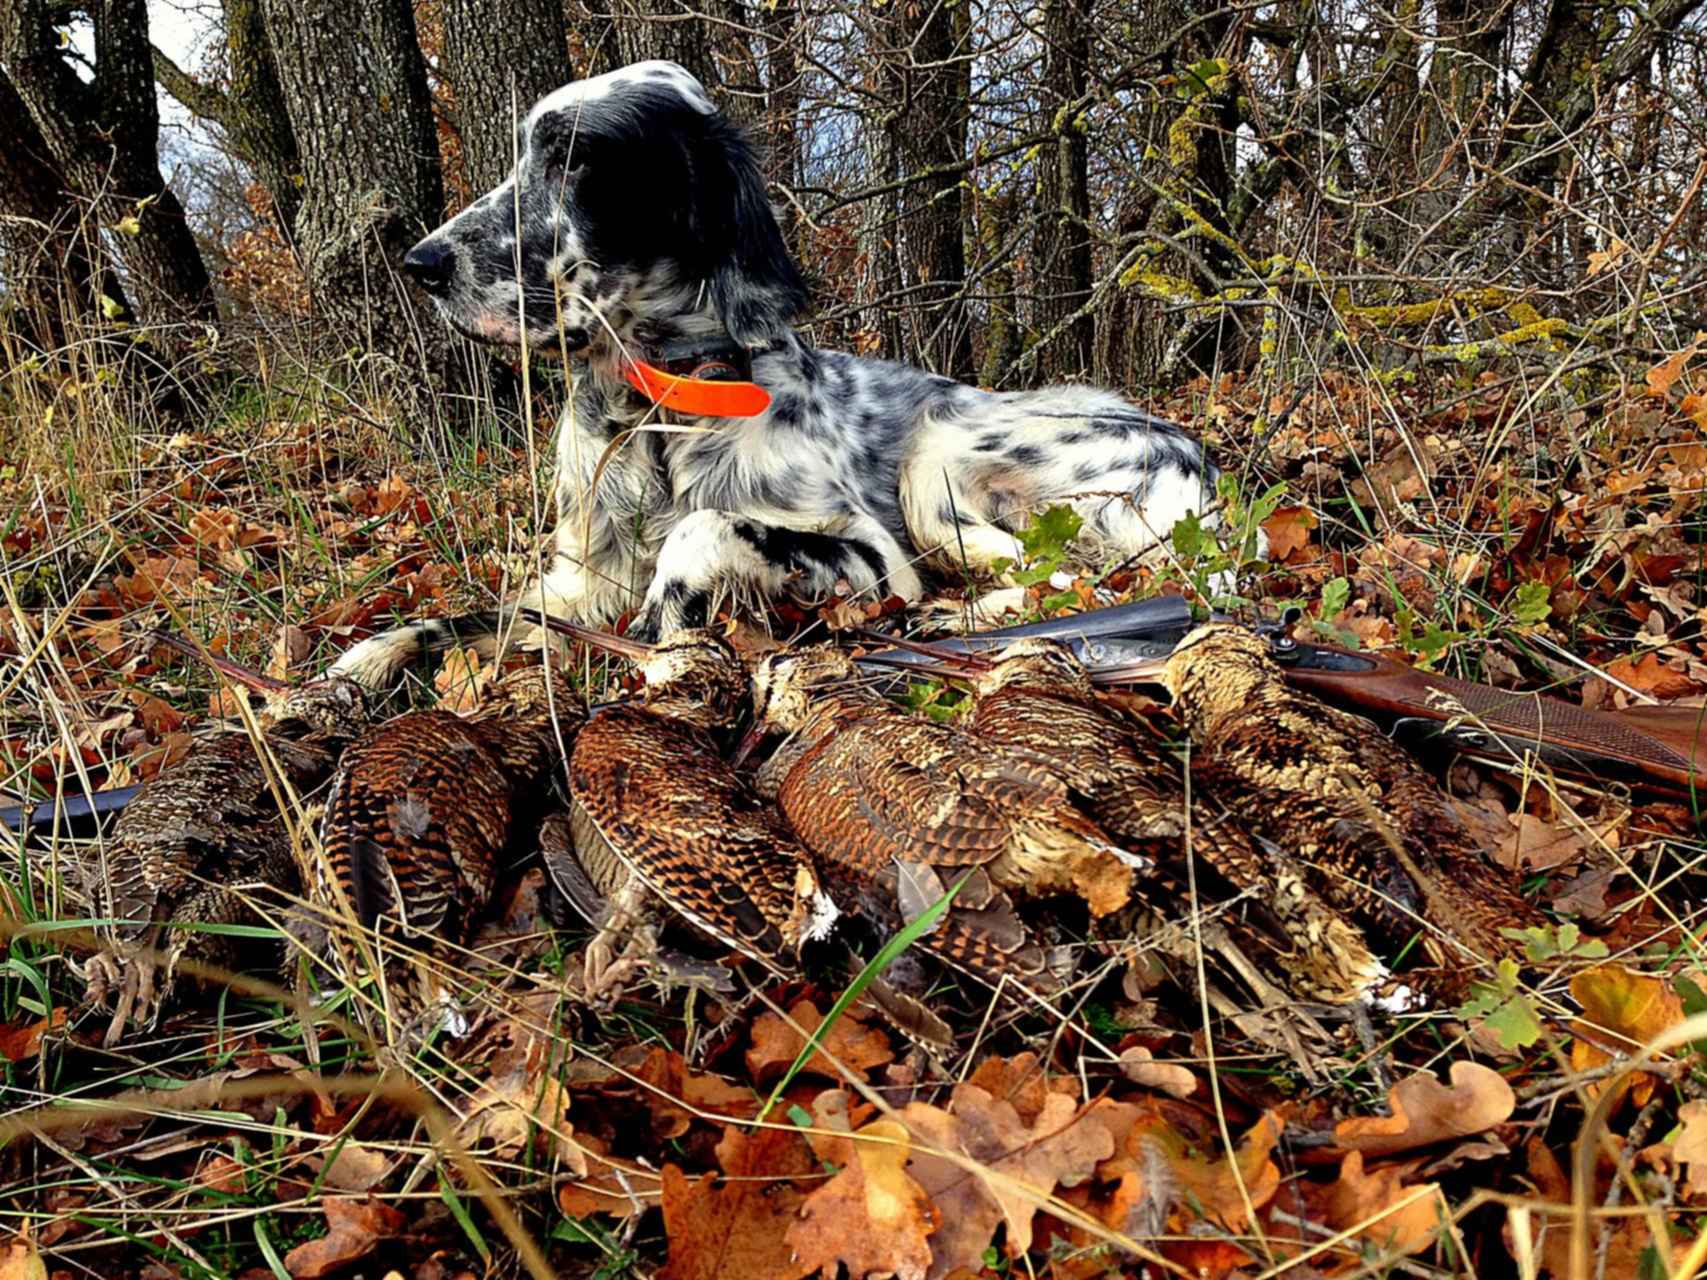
x: 881, y: 791
x: 418, y: 814
x: 676, y: 814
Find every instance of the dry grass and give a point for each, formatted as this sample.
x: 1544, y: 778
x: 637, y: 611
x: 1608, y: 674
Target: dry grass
x: 1534, y: 522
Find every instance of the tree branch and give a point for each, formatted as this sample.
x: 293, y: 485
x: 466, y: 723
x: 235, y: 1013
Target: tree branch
x: 201, y: 100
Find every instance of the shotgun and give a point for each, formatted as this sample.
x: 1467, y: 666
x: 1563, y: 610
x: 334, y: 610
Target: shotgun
x: 1659, y: 748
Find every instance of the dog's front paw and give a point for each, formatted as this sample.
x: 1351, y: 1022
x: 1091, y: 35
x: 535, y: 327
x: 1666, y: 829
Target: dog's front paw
x: 646, y: 625
x: 672, y: 609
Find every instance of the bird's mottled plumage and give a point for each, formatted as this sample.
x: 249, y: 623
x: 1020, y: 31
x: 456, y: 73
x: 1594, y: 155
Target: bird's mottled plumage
x: 1377, y: 836
x: 424, y: 806
x: 649, y: 782
x: 1039, y: 698
x: 879, y: 786
x: 203, y: 833
x: 889, y: 803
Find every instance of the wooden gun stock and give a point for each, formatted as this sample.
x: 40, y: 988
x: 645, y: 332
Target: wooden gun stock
x: 1655, y: 745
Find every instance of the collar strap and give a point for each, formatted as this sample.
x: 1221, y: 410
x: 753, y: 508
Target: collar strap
x: 700, y: 378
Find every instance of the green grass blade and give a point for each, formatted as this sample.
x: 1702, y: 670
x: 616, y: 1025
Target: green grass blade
x: 874, y: 968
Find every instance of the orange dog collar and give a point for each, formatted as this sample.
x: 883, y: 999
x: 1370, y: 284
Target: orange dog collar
x: 697, y: 397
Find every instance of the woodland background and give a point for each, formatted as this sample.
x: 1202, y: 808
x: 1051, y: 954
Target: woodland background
x: 1427, y: 276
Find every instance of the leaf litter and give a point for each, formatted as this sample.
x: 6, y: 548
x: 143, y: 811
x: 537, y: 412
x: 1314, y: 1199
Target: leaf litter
x: 1034, y: 1148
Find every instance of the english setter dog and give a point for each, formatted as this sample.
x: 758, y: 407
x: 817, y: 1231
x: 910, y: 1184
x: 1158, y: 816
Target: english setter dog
x: 637, y: 224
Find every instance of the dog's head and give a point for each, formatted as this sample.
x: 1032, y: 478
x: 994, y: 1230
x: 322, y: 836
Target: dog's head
x: 634, y: 202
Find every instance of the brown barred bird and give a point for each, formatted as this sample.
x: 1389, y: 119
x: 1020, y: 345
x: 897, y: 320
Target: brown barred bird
x: 202, y: 835
x: 1380, y: 840
x: 880, y: 795
x: 658, y: 816
x: 423, y: 810
x: 1038, y: 698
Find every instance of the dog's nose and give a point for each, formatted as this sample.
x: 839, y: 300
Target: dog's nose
x: 430, y: 264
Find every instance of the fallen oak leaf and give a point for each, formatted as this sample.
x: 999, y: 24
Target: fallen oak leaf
x: 1138, y: 1065
x: 778, y: 1041
x: 1019, y: 1168
x: 1288, y: 532
x: 20, y: 1261
x: 1426, y: 1111
x: 461, y: 678
x: 675, y: 1094
x: 524, y: 1099
x: 1622, y: 1011
x: 24, y: 1040
x: 1023, y: 1081
x: 291, y: 646
x: 613, y: 1185
x: 1664, y: 375
x: 737, y: 1227
x: 1387, y: 1214
x: 872, y: 1216
x: 1690, y: 1147
x: 353, y: 1166
x: 356, y: 1228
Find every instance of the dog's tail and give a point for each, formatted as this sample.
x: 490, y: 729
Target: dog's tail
x: 378, y: 662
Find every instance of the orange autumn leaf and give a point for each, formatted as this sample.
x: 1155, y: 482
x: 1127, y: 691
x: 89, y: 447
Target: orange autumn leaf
x: 736, y: 1227
x: 460, y: 680
x: 778, y: 1041
x: 872, y: 1216
x: 356, y: 1228
x: 1023, y: 1081
x: 1622, y: 1011
x: 1426, y: 1111
x: 1289, y: 530
x: 1026, y: 1164
x: 1393, y: 1217
x: 615, y: 1186
x: 1663, y: 376
x: 675, y: 1094
x: 24, y: 1040
x: 1649, y: 675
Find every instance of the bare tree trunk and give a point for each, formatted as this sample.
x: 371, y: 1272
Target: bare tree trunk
x: 1062, y: 271
x: 54, y: 271
x: 104, y: 137
x: 927, y: 73
x: 501, y: 56
x: 670, y: 29
x: 356, y: 88
x: 251, y: 110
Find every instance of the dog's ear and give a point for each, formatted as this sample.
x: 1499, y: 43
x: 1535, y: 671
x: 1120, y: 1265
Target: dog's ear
x: 755, y: 285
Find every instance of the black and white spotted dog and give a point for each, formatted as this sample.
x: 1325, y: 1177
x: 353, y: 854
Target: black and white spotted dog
x: 637, y: 222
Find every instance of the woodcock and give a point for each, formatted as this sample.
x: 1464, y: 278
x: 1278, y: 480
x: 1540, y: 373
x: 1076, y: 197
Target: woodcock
x: 658, y: 814
x: 878, y: 793
x: 1381, y: 840
x: 202, y: 833
x: 423, y: 810
x: 1039, y: 698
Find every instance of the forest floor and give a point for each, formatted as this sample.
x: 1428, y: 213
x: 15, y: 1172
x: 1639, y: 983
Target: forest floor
x: 1488, y: 526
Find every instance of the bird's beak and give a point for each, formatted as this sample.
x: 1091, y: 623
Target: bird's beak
x: 749, y: 743
x: 604, y: 641
x: 248, y: 677
x: 1142, y: 671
